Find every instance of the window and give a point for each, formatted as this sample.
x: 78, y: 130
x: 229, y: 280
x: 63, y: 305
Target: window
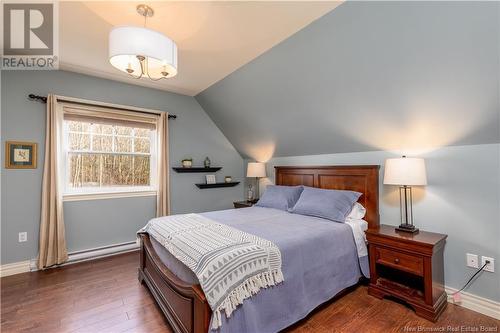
x: 108, y: 156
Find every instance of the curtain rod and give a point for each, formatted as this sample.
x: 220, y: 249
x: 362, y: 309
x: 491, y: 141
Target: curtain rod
x: 43, y: 99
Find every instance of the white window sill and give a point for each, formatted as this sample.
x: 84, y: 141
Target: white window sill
x: 107, y: 195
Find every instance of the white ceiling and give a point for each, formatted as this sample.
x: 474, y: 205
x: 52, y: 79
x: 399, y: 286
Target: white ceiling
x: 214, y: 38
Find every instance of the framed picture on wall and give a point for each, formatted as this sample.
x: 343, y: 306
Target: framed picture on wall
x: 20, y: 155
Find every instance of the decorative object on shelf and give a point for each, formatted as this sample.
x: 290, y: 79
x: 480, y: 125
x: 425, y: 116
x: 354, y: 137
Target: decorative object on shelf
x: 142, y: 52
x: 405, y: 172
x: 228, y: 179
x: 187, y: 162
x: 196, y: 169
x: 255, y: 170
x: 20, y: 155
x: 206, y: 162
x: 202, y: 186
x: 210, y: 179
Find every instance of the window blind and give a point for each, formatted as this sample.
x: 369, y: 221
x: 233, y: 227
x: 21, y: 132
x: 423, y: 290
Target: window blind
x: 110, y: 116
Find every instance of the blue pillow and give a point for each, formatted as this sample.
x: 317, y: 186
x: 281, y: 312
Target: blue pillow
x: 280, y: 197
x: 333, y: 205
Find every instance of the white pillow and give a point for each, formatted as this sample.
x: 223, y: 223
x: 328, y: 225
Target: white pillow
x: 357, y: 212
x: 358, y: 229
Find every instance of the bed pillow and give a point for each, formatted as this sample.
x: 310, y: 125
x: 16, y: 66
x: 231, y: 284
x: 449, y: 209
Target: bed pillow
x: 357, y: 212
x: 280, y: 197
x: 333, y: 205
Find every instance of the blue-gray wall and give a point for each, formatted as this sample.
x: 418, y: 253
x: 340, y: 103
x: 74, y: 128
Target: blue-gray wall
x: 103, y: 222
x: 368, y: 76
x: 383, y: 79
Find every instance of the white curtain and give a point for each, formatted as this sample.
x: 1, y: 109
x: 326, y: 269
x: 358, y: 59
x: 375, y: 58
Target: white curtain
x: 52, y: 245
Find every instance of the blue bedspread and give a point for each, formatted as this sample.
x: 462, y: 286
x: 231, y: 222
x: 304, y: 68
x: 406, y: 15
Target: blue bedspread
x: 319, y: 260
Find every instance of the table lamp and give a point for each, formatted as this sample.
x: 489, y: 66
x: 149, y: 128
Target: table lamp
x: 405, y: 172
x: 256, y: 170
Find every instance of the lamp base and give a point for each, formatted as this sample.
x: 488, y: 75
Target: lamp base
x: 407, y: 228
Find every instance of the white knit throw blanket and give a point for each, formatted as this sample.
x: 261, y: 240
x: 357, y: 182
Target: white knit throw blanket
x: 230, y: 265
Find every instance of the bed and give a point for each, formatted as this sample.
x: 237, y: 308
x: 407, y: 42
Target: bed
x: 183, y: 302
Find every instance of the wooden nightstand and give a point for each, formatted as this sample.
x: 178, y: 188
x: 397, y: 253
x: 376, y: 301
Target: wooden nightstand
x: 244, y: 204
x: 408, y: 267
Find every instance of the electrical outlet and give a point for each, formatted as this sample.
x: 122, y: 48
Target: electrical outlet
x: 491, y: 266
x: 23, y: 237
x: 472, y: 260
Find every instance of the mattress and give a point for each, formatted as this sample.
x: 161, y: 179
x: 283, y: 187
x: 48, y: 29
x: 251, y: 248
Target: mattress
x: 319, y: 259
x: 173, y: 264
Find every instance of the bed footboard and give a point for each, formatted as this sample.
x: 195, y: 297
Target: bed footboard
x: 183, y: 304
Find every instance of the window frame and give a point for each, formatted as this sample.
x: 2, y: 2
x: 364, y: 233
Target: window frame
x: 108, y: 192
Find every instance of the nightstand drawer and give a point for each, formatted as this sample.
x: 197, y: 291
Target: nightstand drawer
x: 405, y: 262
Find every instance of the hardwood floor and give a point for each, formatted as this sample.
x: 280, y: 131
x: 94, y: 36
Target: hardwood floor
x: 91, y: 297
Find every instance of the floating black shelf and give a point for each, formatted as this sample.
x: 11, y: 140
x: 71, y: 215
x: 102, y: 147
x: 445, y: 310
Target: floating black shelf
x: 231, y: 184
x: 192, y: 170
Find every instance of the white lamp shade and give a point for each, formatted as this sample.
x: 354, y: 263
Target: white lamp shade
x: 405, y: 171
x: 256, y: 169
x: 126, y: 43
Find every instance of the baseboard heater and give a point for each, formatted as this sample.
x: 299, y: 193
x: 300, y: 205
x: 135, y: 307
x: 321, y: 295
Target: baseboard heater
x: 101, y: 252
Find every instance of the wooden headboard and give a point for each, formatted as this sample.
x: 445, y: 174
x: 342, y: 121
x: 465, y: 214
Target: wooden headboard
x: 359, y: 178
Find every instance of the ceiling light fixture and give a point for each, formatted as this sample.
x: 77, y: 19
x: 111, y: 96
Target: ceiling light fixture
x: 141, y: 51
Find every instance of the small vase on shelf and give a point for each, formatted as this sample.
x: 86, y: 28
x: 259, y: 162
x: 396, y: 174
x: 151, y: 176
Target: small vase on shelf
x: 206, y: 162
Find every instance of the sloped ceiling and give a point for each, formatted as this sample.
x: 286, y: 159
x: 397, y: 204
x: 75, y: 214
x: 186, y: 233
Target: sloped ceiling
x: 214, y: 38
x: 368, y: 76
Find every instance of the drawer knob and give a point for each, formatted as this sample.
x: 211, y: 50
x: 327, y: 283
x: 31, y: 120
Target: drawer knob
x: 396, y: 261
